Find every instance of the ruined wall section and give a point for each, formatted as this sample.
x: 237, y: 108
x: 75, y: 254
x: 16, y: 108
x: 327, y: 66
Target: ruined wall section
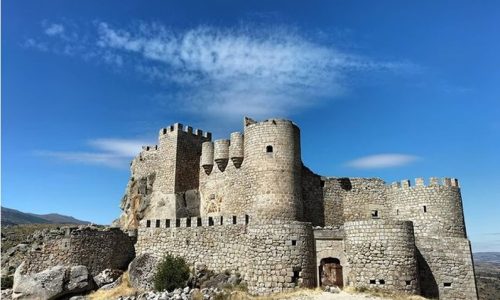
x: 271, y: 257
x: 381, y: 254
x: 97, y: 249
x: 274, y: 169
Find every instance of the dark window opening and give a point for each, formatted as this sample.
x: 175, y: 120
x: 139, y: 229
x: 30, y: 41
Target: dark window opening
x: 210, y: 221
x: 247, y: 219
x: 425, y: 208
x: 198, y: 222
x: 164, y: 130
x: 167, y: 223
x: 372, y: 281
x: 296, y: 275
x: 148, y: 223
x: 234, y: 219
x: 294, y: 243
x: 177, y: 222
x: 269, y: 149
x: 157, y: 223
x: 408, y: 282
x: 375, y: 214
x: 397, y: 211
x: 188, y: 222
x: 222, y: 220
x: 447, y: 284
x: 381, y: 281
x: 322, y: 183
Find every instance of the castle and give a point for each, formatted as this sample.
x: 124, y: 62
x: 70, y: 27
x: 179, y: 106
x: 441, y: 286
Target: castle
x: 249, y: 205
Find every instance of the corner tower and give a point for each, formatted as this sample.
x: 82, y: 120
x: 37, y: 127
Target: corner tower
x: 274, y: 167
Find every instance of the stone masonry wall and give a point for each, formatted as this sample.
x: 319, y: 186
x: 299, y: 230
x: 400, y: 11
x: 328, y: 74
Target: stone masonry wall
x: 436, y: 209
x: 446, y: 268
x: 96, y: 249
x: 312, y: 195
x: 272, y: 257
x: 381, y: 254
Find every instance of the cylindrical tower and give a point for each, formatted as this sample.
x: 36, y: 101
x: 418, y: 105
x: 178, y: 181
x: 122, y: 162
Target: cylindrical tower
x: 436, y: 210
x: 381, y: 254
x: 274, y: 167
x: 221, y: 153
x: 236, y: 149
x: 207, y: 156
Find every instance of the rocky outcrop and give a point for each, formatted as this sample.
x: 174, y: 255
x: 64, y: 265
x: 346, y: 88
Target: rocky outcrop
x: 51, y: 283
x: 135, y: 202
x: 106, y: 277
x: 142, y: 270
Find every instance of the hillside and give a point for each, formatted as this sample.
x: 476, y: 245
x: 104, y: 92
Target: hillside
x: 16, y: 217
x: 487, y: 267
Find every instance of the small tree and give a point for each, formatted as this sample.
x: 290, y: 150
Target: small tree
x: 171, y: 273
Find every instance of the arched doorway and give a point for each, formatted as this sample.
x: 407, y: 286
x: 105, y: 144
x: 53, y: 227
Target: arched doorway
x: 330, y: 272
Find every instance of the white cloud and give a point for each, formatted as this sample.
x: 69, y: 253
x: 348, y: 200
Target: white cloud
x: 379, y: 161
x: 226, y: 72
x: 115, y: 153
x: 54, y: 29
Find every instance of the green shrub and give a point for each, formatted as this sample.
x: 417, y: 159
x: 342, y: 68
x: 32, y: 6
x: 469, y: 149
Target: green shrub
x: 7, y: 282
x: 172, y: 272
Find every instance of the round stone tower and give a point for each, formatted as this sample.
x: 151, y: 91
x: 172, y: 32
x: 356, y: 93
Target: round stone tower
x: 381, y: 255
x: 274, y: 167
x: 436, y: 209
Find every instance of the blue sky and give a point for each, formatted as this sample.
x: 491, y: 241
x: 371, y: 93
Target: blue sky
x: 380, y: 89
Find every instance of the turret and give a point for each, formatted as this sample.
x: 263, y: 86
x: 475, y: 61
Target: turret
x: 207, y: 156
x: 236, y: 149
x: 221, y: 154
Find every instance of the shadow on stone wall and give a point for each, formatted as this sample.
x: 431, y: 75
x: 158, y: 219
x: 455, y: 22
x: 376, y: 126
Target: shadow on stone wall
x: 428, y: 284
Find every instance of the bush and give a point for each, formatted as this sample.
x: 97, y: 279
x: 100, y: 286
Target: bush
x: 172, y: 272
x: 7, y: 282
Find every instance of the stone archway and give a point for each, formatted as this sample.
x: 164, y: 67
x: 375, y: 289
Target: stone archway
x: 330, y: 272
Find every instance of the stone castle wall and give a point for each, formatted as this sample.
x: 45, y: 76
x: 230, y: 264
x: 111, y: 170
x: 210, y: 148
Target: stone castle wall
x: 381, y: 254
x: 446, y: 268
x: 272, y: 257
x: 94, y: 248
x: 436, y: 209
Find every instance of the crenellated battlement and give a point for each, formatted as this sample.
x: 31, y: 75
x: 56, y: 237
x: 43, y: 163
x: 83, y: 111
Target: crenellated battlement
x: 205, y: 221
x: 180, y: 128
x: 420, y: 182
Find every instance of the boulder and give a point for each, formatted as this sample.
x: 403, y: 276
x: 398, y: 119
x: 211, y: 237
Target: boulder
x: 51, y: 283
x: 142, y: 270
x: 106, y: 277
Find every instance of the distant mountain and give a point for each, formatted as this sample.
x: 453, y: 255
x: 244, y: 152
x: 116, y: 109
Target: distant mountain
x: 15, y: 217
x: 487, y: 257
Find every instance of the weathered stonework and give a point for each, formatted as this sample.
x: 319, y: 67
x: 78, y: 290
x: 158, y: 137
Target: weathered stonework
x: 248, y: 204
x: 97, y: 249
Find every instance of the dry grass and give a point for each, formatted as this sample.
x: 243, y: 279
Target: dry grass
x: 383, y: 294
x: 124, y: 289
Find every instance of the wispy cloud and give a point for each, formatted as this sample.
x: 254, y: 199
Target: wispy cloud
x: 226, y: 72
x: 54, y: 29
x: 114, y: 153
x: 379, y: 161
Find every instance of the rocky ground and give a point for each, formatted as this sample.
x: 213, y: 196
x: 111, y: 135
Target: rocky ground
x: 487, y: 267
